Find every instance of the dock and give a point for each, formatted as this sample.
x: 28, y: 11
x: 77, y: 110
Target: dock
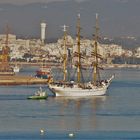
x: 21, y: 80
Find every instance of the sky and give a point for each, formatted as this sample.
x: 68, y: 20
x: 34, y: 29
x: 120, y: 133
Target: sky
x: 22, y: 2
x: 116, y: 17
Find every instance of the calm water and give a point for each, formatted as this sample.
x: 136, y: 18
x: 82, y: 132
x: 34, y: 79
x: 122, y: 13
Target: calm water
x: 115, y: 116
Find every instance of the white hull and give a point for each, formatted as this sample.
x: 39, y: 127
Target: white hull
x: 67, y: 91
x: 16, y: 69
x: 80, y: 92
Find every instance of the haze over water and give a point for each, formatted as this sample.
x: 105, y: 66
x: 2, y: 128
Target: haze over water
x: 115, y: 116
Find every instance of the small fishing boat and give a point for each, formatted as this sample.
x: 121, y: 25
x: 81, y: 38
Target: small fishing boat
x: 39, y: 95
x: 16, y: 68
x: 43, y: 72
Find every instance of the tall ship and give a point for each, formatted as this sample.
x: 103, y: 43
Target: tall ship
x: 94, y: 87
x: 5, y: 68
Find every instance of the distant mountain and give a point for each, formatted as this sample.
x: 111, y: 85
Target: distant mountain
x: 116, y: 18
x: 125, y: 42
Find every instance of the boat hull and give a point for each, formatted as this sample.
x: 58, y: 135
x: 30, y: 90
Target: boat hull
x: 42, y: 76
x: 81, y: 92
x: 37, y: 97
x: 16, y: 70
x: 68, y: 91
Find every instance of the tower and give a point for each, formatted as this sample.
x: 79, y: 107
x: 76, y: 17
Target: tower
x: 43, y: 29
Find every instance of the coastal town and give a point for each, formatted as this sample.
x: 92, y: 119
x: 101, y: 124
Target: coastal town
x: 35, y: 51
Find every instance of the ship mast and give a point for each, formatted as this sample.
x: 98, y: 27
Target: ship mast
x: 95, y: 52
x: 65, y: 53
x: 78, y: 49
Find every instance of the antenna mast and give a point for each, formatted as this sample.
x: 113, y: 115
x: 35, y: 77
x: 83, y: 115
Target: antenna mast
x: 95, y: 51
x: 65, y: 52
x: 78, y: 47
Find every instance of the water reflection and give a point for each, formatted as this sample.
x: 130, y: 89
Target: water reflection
x: 79, y: 113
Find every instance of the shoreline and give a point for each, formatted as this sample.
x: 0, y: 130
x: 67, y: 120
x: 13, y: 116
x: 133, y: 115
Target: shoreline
x: 51, y: 64
x: 120, y: 66
x: 21, y: 80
